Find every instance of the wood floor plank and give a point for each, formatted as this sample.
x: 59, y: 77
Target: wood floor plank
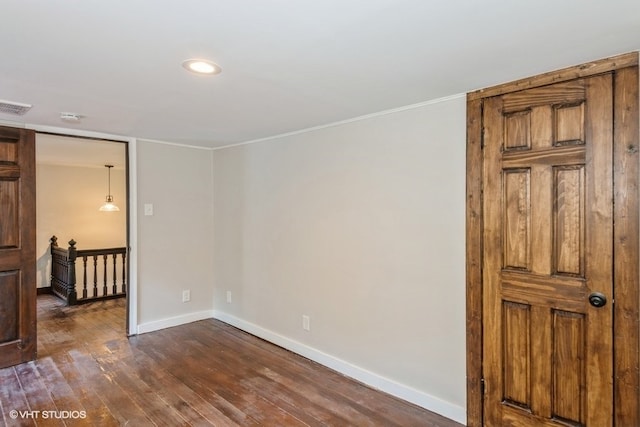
x: 36, y: 393
x: 194, y: 370
x: 60, y: 392
x: 310, y: 373
x: 253, y: 400
x: 251, y: 371
x: 306, y: 375
x: 115, y: 398
x: 151, y: 344
x: 155, y: 407
x: 191, y: 406
x: 13, y: 398
x: 204, y: 373
x: 97, y: 412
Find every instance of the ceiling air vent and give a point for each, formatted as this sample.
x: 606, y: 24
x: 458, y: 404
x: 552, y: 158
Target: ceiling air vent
x: 15, y: 108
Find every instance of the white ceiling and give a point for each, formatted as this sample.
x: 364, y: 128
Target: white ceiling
x: 287, y: 64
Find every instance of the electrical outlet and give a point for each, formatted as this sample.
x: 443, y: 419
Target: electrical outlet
x: 148, y: 209
x: 229, y: 297
x: 186, y: 296
x: 306, y: 322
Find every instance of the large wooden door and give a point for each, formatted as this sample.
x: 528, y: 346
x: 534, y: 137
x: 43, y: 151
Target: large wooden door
x: 553, y: 217
x: 17, y: 246
x: 548, y: 234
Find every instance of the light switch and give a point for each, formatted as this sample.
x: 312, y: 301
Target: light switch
x: 148, y: 209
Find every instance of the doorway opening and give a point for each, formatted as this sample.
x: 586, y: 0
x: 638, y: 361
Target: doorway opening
x: 81, y: 250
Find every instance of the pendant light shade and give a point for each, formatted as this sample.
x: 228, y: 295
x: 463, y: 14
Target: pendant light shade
x: 109, y: 206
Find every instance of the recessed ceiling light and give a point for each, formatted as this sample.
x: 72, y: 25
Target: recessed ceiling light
x: 201, y: 66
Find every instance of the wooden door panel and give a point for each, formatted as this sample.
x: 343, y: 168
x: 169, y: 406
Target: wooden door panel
x: 568, y: 216
x: 517, y: 219
x: 567, y: 370
x: 569, y: 120
x: 8, y: 149
x: 9, y: 197
x: 517, y: 129
x: 516, y: 349
x: 9, y: 292
x: 17, y: 246
x: 548, y: 235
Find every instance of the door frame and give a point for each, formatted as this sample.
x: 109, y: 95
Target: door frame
x: 626, y: 246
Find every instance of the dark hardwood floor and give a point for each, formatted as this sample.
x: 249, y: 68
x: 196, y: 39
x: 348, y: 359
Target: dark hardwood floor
x: 204, y: 373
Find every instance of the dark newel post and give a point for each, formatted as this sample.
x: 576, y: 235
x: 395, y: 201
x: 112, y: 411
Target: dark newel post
x: 72, y: 296
x: 54, y: 265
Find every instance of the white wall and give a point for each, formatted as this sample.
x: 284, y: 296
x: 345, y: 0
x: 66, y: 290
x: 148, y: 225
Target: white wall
x: 175, y: 245
x: 361, y: 227
x: 67, y: 202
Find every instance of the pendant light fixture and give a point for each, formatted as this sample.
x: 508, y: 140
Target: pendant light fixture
x: 108, y: 205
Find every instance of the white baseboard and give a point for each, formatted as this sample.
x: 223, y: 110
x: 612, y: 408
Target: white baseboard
x: 431, y: 403
x: 174, y: 321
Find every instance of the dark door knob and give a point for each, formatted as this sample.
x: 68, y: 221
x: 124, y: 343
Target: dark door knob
x: 597, y: 299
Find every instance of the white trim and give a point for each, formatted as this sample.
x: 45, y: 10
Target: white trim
x: 212, y: 219
x: 174, y: 321
x: 343, y: 122
x: 132, y: 207
x: 176, y: 144
x: 12, y: 124
x: 431, y: 403
x: 91, y: 134
x: 76, y: 132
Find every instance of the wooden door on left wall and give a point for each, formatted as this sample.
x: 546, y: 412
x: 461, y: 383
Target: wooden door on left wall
x: 18, y: 341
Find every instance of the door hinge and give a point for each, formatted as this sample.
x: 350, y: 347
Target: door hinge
x: 482, y: 386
